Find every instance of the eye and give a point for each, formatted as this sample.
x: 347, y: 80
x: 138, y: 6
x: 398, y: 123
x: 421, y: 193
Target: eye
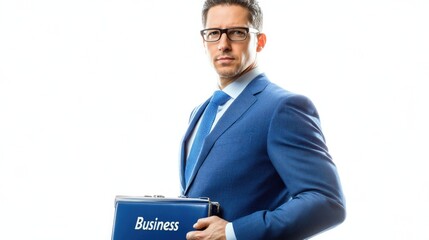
x: 212, y: 34
x: 240, y: 33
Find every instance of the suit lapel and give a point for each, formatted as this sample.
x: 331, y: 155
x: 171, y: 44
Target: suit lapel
x: 240, y: 105
x: 195, y: 116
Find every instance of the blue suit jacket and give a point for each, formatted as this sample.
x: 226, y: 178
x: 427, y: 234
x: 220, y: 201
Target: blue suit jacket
x: 267, y: 165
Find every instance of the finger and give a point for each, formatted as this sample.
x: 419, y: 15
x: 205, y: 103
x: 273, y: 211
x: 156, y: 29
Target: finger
x: 190, y: 235
x: 201, y: 223
x: 205, y: 222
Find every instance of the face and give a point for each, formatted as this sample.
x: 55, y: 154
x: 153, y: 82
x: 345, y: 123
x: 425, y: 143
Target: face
x: 231, y: 59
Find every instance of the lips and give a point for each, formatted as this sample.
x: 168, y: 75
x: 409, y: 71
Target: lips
x: 224, y: 59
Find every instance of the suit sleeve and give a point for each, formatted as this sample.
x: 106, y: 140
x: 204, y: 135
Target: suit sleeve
x: 297, y: 150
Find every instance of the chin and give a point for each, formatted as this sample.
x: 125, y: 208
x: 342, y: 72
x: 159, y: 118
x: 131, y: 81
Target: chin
x: 227, y: 72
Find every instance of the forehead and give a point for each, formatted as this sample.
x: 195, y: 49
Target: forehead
x: 223, y: 16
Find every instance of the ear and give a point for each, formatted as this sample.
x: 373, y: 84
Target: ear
x: 262, y: 39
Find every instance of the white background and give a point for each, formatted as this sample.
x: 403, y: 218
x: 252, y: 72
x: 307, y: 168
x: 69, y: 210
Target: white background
x: 95, y: 96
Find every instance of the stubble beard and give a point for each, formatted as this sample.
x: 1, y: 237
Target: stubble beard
x: 228, y: 72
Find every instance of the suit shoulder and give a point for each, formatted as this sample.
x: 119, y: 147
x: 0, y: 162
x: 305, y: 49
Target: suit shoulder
x: 283, y: 94
x: 279, y: 97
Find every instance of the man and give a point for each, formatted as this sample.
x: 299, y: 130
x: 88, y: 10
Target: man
x: 265, y: 159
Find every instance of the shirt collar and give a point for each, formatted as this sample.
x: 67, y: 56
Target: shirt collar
x: 235, y: 88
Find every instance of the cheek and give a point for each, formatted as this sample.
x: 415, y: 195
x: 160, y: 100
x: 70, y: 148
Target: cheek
x: 247, y: 56
x: 210, y: 51
x: 248, y: 52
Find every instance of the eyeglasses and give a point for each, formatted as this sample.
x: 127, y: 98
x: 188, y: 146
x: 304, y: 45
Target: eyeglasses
x: 233, y: 34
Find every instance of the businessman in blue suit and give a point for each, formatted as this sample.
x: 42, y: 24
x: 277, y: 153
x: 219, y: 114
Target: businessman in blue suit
x: 265, y: 159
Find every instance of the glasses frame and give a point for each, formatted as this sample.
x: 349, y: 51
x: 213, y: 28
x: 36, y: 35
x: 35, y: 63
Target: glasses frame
x: 225, y: 30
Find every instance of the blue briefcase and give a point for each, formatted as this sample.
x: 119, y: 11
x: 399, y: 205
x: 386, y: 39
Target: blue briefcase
x: 157, y: 217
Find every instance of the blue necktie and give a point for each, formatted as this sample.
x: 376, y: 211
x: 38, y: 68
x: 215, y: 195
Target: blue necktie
x: 219, y: 98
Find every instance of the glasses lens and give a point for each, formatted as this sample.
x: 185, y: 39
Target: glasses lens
x: 237, y: 34
x: 211, y: 35
x: 234, y: 34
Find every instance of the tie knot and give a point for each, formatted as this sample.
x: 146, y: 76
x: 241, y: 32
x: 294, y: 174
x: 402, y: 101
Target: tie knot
x: 220, y: 98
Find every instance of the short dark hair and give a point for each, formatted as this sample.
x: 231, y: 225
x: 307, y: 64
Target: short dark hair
x: 255, y: 12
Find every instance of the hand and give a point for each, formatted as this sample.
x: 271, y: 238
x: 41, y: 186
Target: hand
x: 210, y: 228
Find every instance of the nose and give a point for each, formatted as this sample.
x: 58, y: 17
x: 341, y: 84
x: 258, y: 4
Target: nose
x: 224, y: 43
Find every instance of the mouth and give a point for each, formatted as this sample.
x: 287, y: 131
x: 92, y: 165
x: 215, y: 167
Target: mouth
x: 224, y: 59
